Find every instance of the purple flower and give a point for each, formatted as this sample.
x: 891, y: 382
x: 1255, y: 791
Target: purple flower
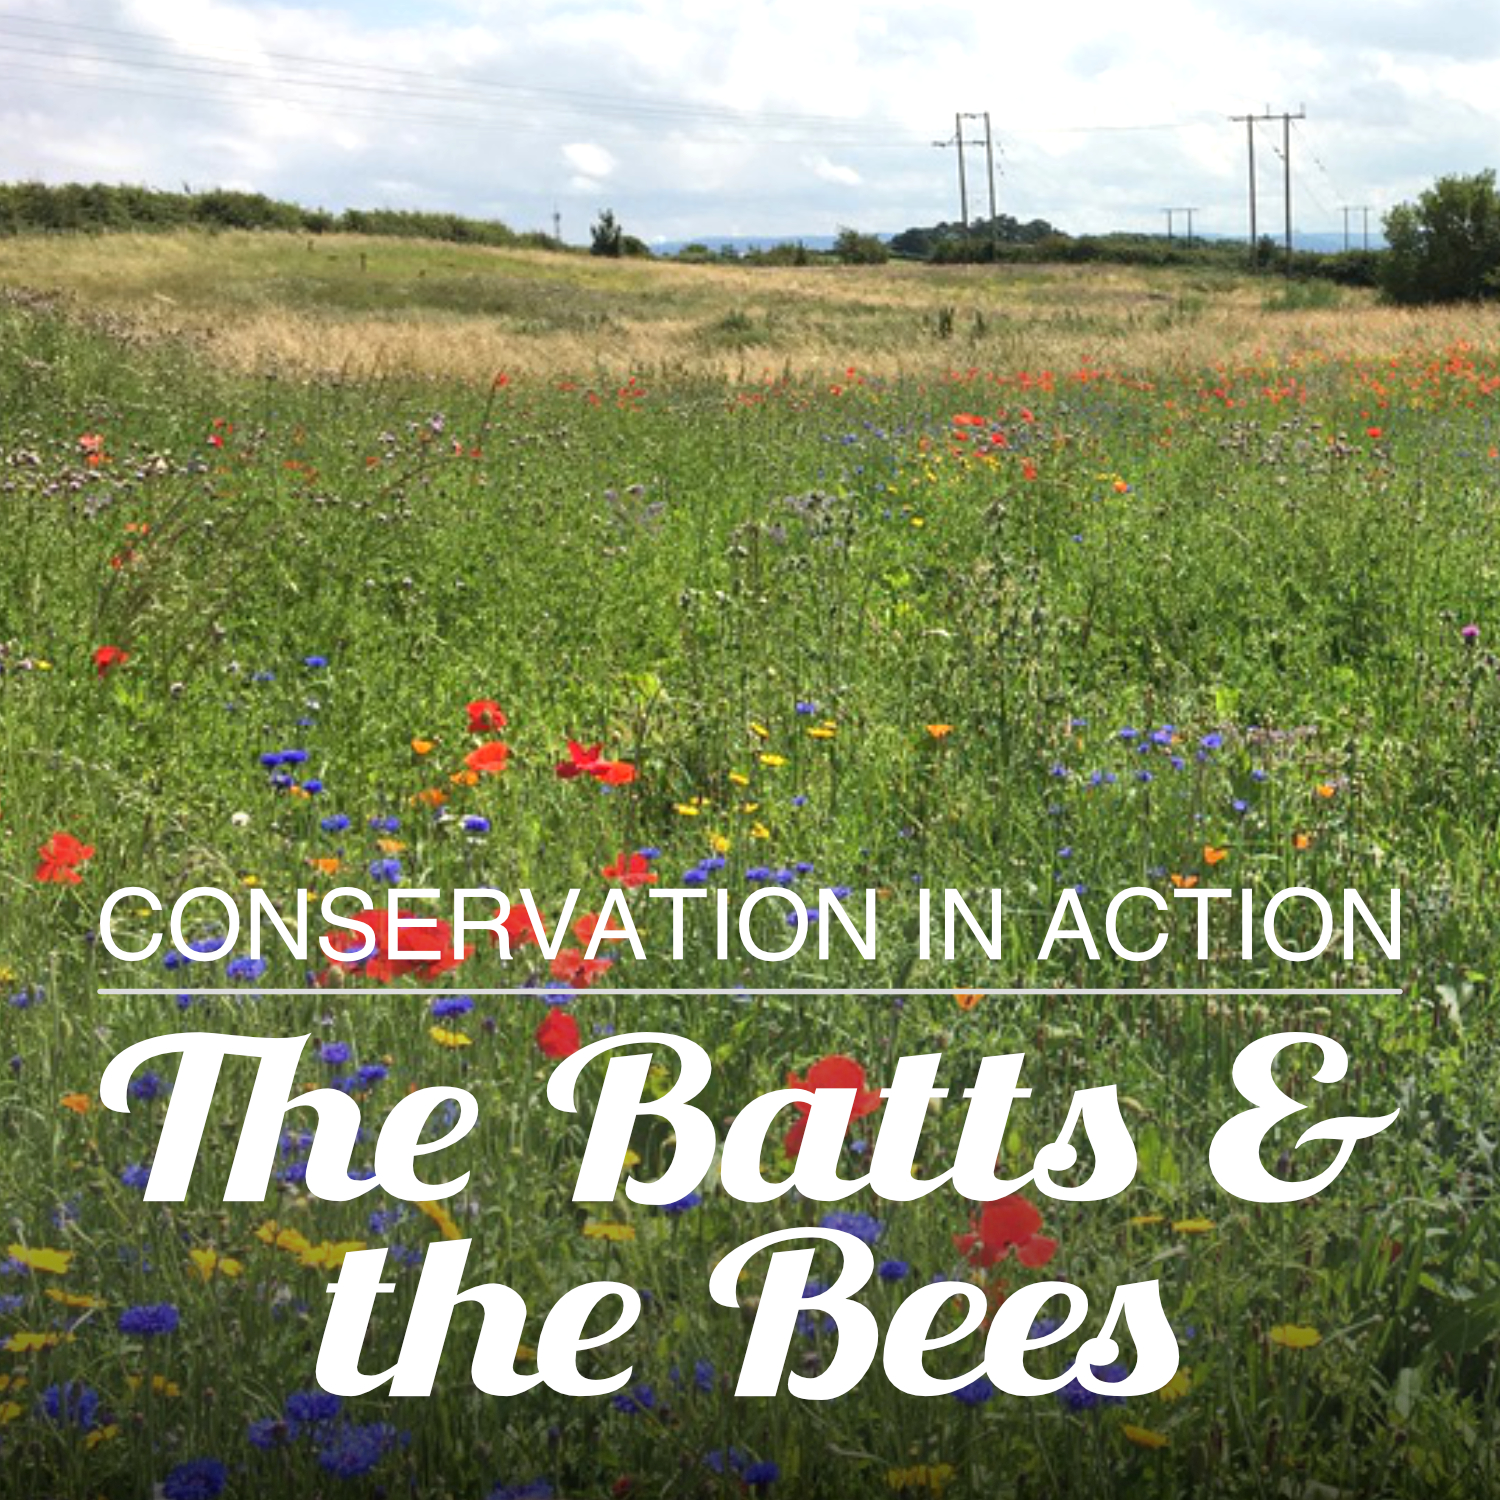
x: 198, y: 1479
x: 1470, y: 633
x: 149, y: 1320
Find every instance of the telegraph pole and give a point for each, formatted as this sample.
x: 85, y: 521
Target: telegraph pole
x: 1286, y: 118
x: 989, y: 159
x: 963, y: 185
x: 1170, y: 212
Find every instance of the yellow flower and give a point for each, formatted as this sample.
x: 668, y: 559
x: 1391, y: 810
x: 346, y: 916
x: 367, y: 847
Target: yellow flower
x: 738, y: 778
x: 75, y: 1299
x: 1145, y: 1221
x: 760, y: 731
x: 939, y: 731
x: 759, y: 831
x: 719, y: 843
x: 102, y: 1435
x: 37, y: 1259
x: 208, y: 1261
x: 1295, y: 1336
x: 80, y: 1104
x: 450, y: 1039
x: 159, y: 1384
x: 749, y: 807
x: 607, y: 1229
x: 329, y: 1256
x: 692, y: 807
x: 632, y: 1159
x: 525, y: 1353
x: 250, y: 880
x: 1192, y: 1226
x: 32, y: 1343
x: 390, y: 846
x: 934, y: 1478
x: 422, y: 747
x: 1177, y: 1387
x: 771, y: 759
x: 1143, y: 1437
x: 9, y: 1411
x: 293, y: 1241
x: 918, y: 521
x: 441, y: 1217
x: 822, y: 732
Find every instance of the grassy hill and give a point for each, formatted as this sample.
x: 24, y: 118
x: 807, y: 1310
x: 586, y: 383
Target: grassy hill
x: 367, y: 306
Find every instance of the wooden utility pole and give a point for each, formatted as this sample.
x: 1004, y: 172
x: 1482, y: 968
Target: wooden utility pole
x: 989, y: 159
x: 1286, y: 118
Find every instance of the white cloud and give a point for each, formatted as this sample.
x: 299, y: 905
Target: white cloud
x: 495, y: 108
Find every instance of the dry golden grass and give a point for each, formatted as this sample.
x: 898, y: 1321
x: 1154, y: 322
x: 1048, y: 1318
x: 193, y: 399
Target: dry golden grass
x: 368, y: 307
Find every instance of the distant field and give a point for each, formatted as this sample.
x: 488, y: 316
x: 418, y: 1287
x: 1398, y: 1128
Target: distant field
x: 394, y: 307
x: 1031, y: 579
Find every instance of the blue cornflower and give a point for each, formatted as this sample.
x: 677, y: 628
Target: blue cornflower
x: 32, y: 995
x: 1066, y: 852
x: 313, y: 787
x: 270, y: 759
x: 450, y: 1005
x: 12, y: 1302
x: 149, y: 1320
x: 758, y: 873
x: 538, y: 1489
x: 1240, y: 805
x: 353, y: 1450
x: 861, y: 1226
x: 1127, y: 733
x: 1059, y: 772
x: 804, y: 867
x: 136, y: 1177
x: 1144, y: 777
x: 147, y: 1087
x: 314, y: 661
x: 262, y: 677
x: 784, y: 877
x: 335, y: 1054
x: 386, y: 825
x: 804, y: 707
x: 763, y: 1473
x: 1259, y: 775
x: 893, y: 1270
x: 1103, y: 778
x: 1178, y: 763
x: 312, y: 1406
x: 976, y: 1393
x: 1077, y: 723
x: 268, y: 1433
x: 387, y: 869
x: 74, y: 1402
x: 649, y: 852
x: 696, y: 876
x: 1076, y: 1398
x: 335, y: 823
x: 1212, y: 741
x: 799, y: 801
x: 713, y: 862
x: 372, y: 1073
x: 198, y: 1479
x: 637, y: 1398
x: 682, y: 1205
x: 245, y: 968
x: 722, y: 1459
x: 473, y: 823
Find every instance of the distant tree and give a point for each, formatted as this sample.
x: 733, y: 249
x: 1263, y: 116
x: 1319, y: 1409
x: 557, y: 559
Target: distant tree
x: 1445, y: 247
x: 608, y: 238
x: 630, y: 245
x: 856, y: 249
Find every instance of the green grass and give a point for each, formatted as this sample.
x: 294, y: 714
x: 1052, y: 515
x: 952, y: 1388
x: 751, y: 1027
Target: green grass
x: 1279, y: 557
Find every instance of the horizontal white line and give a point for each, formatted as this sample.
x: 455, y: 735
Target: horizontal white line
x: 742, y: 991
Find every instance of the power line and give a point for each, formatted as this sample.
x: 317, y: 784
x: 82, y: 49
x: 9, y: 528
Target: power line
x: 1249, y: 122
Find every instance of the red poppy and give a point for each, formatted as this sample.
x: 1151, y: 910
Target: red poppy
x: 485, y: 716
x: 583, y: 928
x: 581, y: 760
x: 584, y: 760
x: 518, y: 928
x: 489, y: 758
x: 106, y: 657
x: 835, y: 1072
x: 59, y: 856
x: 435, y: 934
x: 557, y: 1036
x: 631, y: 870
x: 1007, y: 1224
x: 573, y: 968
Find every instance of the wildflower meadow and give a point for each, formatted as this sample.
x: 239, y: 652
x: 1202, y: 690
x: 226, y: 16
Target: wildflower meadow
x: 1165, y: 622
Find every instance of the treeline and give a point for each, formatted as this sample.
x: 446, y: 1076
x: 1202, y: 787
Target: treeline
x: 98, y: 208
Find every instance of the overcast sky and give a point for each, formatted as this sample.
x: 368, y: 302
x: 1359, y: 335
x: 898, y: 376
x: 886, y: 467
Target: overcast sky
x: 757, y: 117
